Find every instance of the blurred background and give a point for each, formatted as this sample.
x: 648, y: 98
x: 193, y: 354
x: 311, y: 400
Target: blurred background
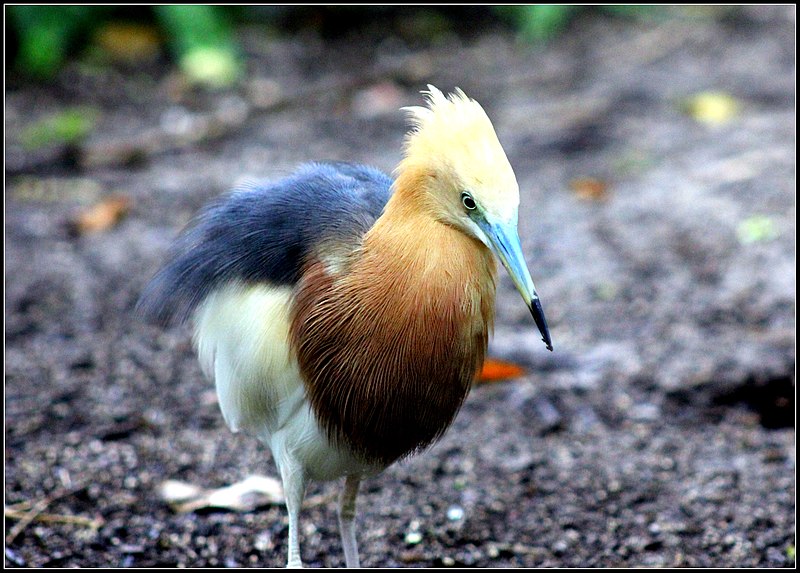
x: 40, y: 39
x: 655, y: 149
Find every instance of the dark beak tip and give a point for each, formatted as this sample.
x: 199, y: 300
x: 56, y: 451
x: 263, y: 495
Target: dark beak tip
x: 541, y: 323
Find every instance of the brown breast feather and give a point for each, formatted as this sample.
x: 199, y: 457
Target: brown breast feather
x: 388, y: 351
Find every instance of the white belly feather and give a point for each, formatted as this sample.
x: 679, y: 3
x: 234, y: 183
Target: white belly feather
x: 242, y: 339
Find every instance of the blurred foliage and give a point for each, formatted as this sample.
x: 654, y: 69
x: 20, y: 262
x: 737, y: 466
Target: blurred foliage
x: 538, y: 21
x: 201, y: 39
x: 541, y: 22
x: 46, y: 33
x: 64, y: 128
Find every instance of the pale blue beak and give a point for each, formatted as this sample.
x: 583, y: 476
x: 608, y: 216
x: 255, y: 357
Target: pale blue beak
x: 504, y: 242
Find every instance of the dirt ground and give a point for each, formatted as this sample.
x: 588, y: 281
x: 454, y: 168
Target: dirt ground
x: 659, y: 433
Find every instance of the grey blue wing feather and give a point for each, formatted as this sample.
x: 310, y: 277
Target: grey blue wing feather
x: 264, y: 233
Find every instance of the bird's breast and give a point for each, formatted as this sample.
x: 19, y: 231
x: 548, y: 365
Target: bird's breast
x: 388, y: 351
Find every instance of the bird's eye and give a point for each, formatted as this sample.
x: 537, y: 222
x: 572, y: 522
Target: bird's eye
x: 468, y: 201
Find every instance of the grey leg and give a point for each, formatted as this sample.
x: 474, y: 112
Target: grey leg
x: 347, y: 524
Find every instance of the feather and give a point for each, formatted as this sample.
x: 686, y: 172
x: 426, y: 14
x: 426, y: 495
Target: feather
x: 263, y: 234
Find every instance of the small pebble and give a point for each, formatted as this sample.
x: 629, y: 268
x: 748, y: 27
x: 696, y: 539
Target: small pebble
x: 413, y: 537
x: 654, y: 528
x: 645, y: 412
x: 455, y: 513
x: 560, y: 547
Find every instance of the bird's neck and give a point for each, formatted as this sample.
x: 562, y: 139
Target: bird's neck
x: 429, y: 261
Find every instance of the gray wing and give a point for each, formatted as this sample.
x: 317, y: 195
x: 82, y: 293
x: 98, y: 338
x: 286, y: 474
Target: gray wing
x: 263, y: 233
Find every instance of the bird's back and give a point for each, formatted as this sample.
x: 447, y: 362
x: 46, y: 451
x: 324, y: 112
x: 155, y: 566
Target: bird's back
x: 263, y: 234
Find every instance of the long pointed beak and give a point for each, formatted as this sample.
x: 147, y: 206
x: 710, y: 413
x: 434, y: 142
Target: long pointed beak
x: 504, y: 241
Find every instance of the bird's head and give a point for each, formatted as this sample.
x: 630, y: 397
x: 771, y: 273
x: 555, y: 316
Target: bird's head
x: 467, y: 182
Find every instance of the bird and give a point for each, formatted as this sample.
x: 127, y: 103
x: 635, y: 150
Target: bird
x: 343, y: 313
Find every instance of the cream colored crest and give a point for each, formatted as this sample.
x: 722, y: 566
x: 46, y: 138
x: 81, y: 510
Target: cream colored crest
x: 455, y: 141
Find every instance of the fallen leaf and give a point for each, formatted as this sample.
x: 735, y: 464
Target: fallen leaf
x: 246, y: 495
x: 128, y: 42
x: 67, y: 127
x: 756, y: 229
x: 101, y: 216
x: 498, y: 370
x: 712, y: 108
x: 590, y: 188
x: 176, y: 491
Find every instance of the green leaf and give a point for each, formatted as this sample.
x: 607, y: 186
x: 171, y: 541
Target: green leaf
x: 66, y: 127
x: 757, y: 229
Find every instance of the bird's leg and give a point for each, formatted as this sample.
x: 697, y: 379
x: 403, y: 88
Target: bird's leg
x: 347, y: 524
x: 294, y: 485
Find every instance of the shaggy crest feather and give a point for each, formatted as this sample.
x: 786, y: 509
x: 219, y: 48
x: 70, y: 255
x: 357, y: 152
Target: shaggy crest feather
x: 449, y: 122
x: 452, y: 143
x: 440, y: 106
